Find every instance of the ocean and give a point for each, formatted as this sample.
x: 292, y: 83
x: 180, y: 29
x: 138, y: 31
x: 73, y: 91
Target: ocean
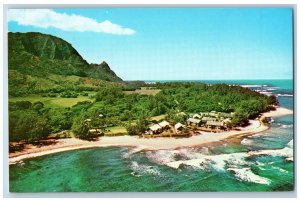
x: 257, y: 163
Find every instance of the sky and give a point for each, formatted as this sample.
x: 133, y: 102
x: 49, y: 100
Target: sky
x: 173, y: 43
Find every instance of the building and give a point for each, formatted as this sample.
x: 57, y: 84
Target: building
x: 95, y: 131
x: 192, y: 121
x: 205, y: 119
x: 179, y: 127
x: 158, y: 128
x: 226, y: 115
x: 197, y: 116
x: 150, y: 82
x: 164, y: 124
x: 215, y: 124
x: 227, y: 120
x: 204, y: 113
x: 155, y: 129
x: 213, y: 114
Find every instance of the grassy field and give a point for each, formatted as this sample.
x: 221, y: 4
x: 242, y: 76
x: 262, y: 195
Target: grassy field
x: 115, y: 130
x: 158, y: 118
x: 56, y: 77
x: 144, y: 91
x: 52, y: 101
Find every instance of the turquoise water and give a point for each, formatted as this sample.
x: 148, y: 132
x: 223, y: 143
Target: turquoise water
x: 229, y: 166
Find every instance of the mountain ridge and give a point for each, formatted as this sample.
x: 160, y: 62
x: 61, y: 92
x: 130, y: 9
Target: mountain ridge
x: 39, y: 54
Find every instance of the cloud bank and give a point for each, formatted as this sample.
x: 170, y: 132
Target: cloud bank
x: 45, y: 18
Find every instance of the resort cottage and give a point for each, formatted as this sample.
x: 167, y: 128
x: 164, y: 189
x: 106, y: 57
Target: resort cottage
x: 213, y: 114
x: 193, y: 122
x: 155, y: 129
x: 215, y: 124
x: 95, y: 131
x: 164, y: 125
x: 179, y: 127
x: 205, y: 119
x: 211, y: 120
x: 158, y: 128
x: 197, y: 116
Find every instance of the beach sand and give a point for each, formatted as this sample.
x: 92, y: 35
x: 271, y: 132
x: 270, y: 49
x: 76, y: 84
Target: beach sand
x: 280, y: 111
x: 142, y: 143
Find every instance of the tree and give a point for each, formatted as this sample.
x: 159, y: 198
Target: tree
x: 138, y: 128
x: 109, y: 94
x: 24, y: 104
x: 60, y: 119
x: 80, y: 127
x: 240, y: 118
x: 142, y: 124
x: 27, y: 126
x: 132, y: 129
x: 38, y: 105
x: 41, y: 128
x: 272, y: 100
x: 126, y: 116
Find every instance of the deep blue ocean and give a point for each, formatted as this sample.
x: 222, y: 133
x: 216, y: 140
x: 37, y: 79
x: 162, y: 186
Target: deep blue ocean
x: 261, y: 162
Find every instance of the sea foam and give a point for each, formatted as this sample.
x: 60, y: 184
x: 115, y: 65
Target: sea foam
x: 246, y: 141
x: 234, y: 162
x: 246, y: 174
x: 140, y: 169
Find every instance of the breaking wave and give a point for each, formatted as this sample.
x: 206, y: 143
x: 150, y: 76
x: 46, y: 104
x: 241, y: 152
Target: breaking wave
x: 235, y: 163
x: 246, y: 141
x: 252, y: 86
x: 284, y: 95
x: 140, y: 169
x: 129, y: 153
x: 285, y: 125
x: 245, y: 174
x: 286, y: 152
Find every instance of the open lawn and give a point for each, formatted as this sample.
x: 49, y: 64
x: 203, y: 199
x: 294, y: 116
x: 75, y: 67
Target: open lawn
x: 158, y: 118
x: 144, y: 91
x: 115, y: 130
x: 52, y: 101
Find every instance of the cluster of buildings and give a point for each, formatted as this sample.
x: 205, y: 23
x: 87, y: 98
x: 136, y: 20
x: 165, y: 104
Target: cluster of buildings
x: 213, y: 120
x: 210, y: 120
x: 162, y: 126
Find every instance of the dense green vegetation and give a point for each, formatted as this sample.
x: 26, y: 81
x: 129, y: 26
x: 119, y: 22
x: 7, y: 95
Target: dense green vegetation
x: 133, y: 111
x: 192, y: 98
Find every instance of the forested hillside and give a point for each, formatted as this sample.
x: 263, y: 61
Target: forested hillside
x: 36, y: 62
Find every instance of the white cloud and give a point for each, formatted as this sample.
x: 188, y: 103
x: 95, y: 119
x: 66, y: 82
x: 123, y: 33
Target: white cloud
x: 45, y: 18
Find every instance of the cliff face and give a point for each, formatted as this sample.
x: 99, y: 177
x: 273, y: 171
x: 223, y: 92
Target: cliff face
x: 39, y: 55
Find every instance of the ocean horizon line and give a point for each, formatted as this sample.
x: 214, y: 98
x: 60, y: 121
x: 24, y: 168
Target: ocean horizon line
x: 157, y: 80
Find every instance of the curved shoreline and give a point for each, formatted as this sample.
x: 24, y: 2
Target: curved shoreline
x: 149, y: 144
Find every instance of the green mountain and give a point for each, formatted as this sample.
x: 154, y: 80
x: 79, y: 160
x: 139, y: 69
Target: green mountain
x: 36, y: 60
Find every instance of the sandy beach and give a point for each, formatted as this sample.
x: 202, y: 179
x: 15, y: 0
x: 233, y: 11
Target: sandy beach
x: 142, y: 143
x: 280, y: 111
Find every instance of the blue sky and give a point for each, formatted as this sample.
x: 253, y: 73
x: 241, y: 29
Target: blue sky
x: 174, y: 43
